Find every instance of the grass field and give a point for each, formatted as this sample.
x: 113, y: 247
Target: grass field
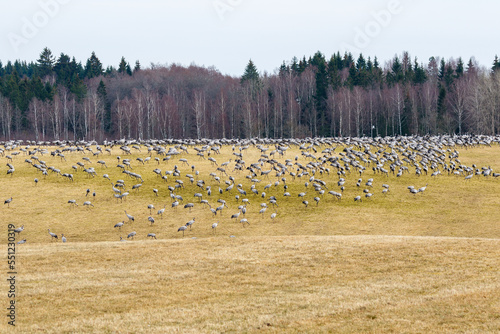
x: 402, y: 263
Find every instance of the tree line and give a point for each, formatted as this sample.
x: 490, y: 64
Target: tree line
x: 59, y: 98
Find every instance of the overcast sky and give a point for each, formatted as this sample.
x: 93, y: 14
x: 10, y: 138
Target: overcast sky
x: 227, y: 33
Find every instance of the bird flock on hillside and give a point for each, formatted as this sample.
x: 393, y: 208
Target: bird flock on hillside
x: 323, y: 169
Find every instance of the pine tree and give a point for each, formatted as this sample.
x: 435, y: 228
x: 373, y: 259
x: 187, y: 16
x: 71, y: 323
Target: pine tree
x: 250, y: 74
x: 103, y: 97
x: 496, y: 64
x: 122, y: 67
x: 137, y: 66
x: 63, y: 69
x: 459, y: 71
x: 420, y: 76
x: 93, y: 68
x: 45, y: 63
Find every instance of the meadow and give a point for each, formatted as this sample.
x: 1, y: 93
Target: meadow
x: 393, y: 262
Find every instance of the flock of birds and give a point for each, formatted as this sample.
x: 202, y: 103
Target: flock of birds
x: 322, y: 169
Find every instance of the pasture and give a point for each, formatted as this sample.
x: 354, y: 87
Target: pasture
x: 395, y: 261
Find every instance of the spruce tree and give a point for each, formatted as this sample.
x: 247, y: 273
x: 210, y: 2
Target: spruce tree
x: 459, y: 71
x: 250, y: 74
x: 103, y: 97
x: 137, y: 66
x: 93, y: 68
x: 496, y: 64
x: 45, y: 63
x: 122, y: 67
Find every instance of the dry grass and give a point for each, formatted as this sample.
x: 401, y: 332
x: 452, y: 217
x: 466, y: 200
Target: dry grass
x: 342, y: 284
x: 397, y: 263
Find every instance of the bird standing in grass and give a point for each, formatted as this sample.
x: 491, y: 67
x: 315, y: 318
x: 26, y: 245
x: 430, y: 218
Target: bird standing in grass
x: 182, y: 228
x: 52, y: 235
x: 63, y: 238
x: 19, y: 229
x: 131, y: 235
x: 130, y: 217
x: 214, y: 227
x: 8, y: 201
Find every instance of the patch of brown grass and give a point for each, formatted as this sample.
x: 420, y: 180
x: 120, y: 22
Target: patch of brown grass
x: 395, y: 263
x: 342, y: 284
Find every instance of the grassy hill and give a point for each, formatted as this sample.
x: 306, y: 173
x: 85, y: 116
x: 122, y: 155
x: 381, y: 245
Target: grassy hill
x: 395, y: 262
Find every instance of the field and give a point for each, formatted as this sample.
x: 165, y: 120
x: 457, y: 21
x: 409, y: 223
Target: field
x: 398, y: 262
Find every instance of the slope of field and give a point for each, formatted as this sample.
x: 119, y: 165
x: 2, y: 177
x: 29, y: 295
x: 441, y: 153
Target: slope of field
x: 394, y: 262
x: 341, y: 284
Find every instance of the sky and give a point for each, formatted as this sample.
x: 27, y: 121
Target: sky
x: 226, y: 34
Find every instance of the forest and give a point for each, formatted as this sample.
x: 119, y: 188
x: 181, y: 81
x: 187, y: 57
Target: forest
x: 59, y: 98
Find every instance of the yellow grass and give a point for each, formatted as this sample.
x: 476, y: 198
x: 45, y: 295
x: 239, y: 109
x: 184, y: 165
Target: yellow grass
x: 396, y: 263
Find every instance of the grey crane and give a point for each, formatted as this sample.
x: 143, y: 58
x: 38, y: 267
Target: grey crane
x: 190, y: 223
x: 161, y: 211
x: 88, y: 204
x: 120, y: 224
x: 151, y: 235
x: 150, y: 207
x: 182, y: 228
x: 73, y: 202
x: 8, y: 201
x: 63, y: 238
x: 130, y: 217
x: 273, y: 215
x: 151, y: 220
x: 52, y: 235
x: 19, y: 229
x: 244, y: 221
x: 214, y: 227
x: 189, y: 206
x: 131, y: 235
x: 36, y: 181
x: 21, y: 242
x: 422, y: 189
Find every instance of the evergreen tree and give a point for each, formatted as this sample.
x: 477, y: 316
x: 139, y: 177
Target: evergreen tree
x: 420, y: 76
x: 93, y: 68
x: 361, y: 69
x: 137, y: 66
x: 103, y: 98
x: 63, y: 69
x: 496, y: 64
x: 122, y: 67
x: 333, y: 73
x: 442, y: 70
x: 459, y: 71
x: 319, y: 62
x: 352, y: 80
x: 295, y: 65
x: 302, y: 65
x: 45, y: 63
x: 78, y: 87
x: 250, y: 74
